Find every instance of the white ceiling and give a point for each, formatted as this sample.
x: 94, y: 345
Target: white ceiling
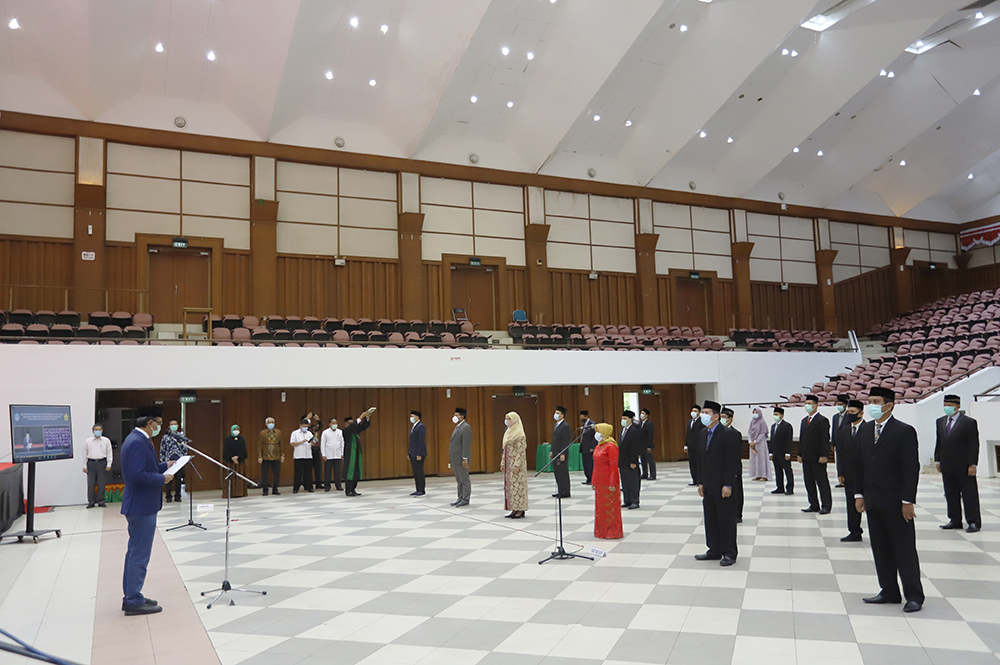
x: 724, y: 75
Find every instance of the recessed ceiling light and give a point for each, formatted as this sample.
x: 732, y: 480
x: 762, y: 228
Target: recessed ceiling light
x: 795, y: 53
x: 702, y: 134
x: 971, y: 176
x: 211, y: 55
x: 159, y: 47
x: 819, y: 153
x: 329, y: 75
x: 628, y: 123
x: 510, y: 105
x: 372, y: 83
x: 785, y: 51
x: 795, y: 149
x: 354, y: 21
x: 504, y: 50
x: 892, y: 75
x: 596, y: 118
x: 729, y: 140
x: 979, y: 16
x: 684, y: 28
x: 976, y: 92
x: 902, y: 162
x: 552, y: 2
x: 384, y: 28
x: 473, y: 99
x: 531, y: 56
x: 883, y: 73
x: 13, y: 25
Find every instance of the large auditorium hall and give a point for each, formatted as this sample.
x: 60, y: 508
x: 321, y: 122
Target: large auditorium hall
x: 500, y: 332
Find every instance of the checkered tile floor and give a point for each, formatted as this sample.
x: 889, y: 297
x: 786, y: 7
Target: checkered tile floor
x: 391, y: 579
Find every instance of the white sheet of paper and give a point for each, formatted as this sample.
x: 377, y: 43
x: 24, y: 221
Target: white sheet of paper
x: 181, y: 461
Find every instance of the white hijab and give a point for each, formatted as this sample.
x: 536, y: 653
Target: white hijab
x: 516, y: 429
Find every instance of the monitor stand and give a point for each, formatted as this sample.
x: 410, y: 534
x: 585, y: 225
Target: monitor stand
x: 29, y: 531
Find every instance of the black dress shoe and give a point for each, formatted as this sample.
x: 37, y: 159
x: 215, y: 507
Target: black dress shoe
x: 882, y: 599
x: 142, y: 609
x: 102, y: 505
x: 624, y: 505
x: 455, y: 503
x: 149, y: 601
x: 633, y: 506
x: 912, y: 606
x: 90, y: 505
x: 739, y: 520
x: 586, y: 482
x: 727, y: 561
x: 518, y: 516
x: 692, y: 484
x: 838, y: 485
x: 707, y: 556
x: 824, y: 511
x: 951, y: 525
x: 973, y: 528
x: 276, y: 493
x: 327, y: 489
x: 461, y: 503
x: 789, y: 493
x: 810, y: 509
x: 777, y: 491
x: 851, y: 538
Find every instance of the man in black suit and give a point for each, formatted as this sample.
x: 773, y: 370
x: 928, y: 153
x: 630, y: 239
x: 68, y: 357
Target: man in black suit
x: 727, y: 420
x: 588, y: 443
x: 814, y: 451
x: 647, y: 460
x: 781, y: 452
x: 628, y: 461
x: 838, y: 420
x: 956, y: 455
x: 561, y: 437
x: 691, y: 442
x: 718, y: 465
x: 888, y: 470
x: 846, y: 445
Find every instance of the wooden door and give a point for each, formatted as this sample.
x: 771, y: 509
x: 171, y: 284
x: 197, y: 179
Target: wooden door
x: 204, y: 426
x: 527, y: 408
x: 474, y: 290
x: 692, y: 303
x: 178, y: 278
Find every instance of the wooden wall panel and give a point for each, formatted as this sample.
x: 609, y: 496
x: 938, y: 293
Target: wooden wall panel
x: 798, y: 308
x: 609, y: 299
x: 35, y: 273
x: 981, y: 278
x: 237, y: 285
x: 725, y: 305
x: 315, y: 286
x: 865, y: 300
x: 120, y: 274
x: 517, y: 292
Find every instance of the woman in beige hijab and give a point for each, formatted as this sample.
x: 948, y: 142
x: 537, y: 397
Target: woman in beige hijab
x: 514, y: 465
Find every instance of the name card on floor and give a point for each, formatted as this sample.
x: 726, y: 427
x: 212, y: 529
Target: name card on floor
x: 598, y: 552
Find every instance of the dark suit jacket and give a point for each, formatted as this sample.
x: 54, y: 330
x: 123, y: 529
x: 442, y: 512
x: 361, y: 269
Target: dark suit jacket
x: 561, y: 436
x: 647, y: 440
x: 587, y: 440
x: 888, y: 472
x: 719, y: 464
x: 959, y: 450
x: 781, y: 439
x: 143, y: 476
x: 418, y: 441
x: 814, y: 439
x: 628, y: 448
x: 837, y: 420
x: 847, y: 451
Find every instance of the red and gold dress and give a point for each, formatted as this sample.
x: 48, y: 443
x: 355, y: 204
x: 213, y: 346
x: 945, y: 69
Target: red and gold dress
x: 607, y: 493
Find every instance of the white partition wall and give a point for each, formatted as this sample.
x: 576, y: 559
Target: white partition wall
x: 36, y: 185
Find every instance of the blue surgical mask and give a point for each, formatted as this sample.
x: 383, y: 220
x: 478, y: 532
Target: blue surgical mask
x: 950, y: 411
x: 875, y: 411
x: 777, y: 418
x: 755, y: 415
x: 841, y: 408
x: 156, y: 432
x: 270, y: 425
x: 173, y: 428
x: 333, y: 427
x: 304, y: 428
x: 98, y: 432
x: 706, y: 419
x: 725, y: 421
x: 810, y: 408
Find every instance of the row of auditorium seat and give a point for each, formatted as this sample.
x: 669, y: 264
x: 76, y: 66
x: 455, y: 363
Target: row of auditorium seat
x: 341, y: 337
x: 784, y: 340
x: 99, y: 319
x: 971, y: 328
x: 978, y: 306
x: 12, y: 332
x: 591, y: 341
x: 517, y: 330
x: 292, y: 324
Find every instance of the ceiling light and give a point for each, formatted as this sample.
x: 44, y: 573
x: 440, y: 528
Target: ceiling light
x: 837, y: 12
x: 473, y: 99
x: 883, y: 73
x: 628, y: 123
x: 505, y: 50
x: 372, y: 83
x: 971, y: 176
x: 785, y: 51
x: 979, y: 16
x: 531, y: 56
x: 552, y: 2
x: 329, y: 75
x: 819, y: 153
x: 510, y: 105
x: 354, y: 21
x: 596, y: 118
x: 976, y: 92
x: 892, y: 75
x: 684, y: 28
x: 948, y: 33
x: 211, y: 55
x: 384, y: 28
x: 795, y: 53
x: 729, y: 140
x: 795, y: 149
x: 159, y: 47
x: 902, y: 162
x: 702, y: 134
x: 13, y: 25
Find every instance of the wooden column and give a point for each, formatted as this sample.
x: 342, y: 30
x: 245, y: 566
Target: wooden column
x: 539, y: 283
x: 89, y: 213
x: 902, y: 279
x: 962, y: 260
x: 645, y: 268
x: 264, y: 256
x: 824, y: 276
x: 741, y: 278
x: 412, y: 291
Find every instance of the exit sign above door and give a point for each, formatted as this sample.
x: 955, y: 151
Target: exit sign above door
x: 475, y: 261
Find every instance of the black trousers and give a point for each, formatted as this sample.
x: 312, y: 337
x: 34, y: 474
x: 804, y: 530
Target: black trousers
x: 419, y: 479
x: 350, y: 487
x: 316, y: 468
x: 303, y: 474
x: 853, y: 516
x: 738, y: 495
x: 97, y: 476
x: 894, y: 545
x: 588, y: 464
x: 331, y: 473
x: 720, y: 522
x: 272, y: 466
x: 176, y: 484
x: 647, y: 464
x: 783, y: 473
x: 961, y: 488
x: 561, y: 471
x: 814, y: 476
x: 631, y: 485
x: 692, y: 467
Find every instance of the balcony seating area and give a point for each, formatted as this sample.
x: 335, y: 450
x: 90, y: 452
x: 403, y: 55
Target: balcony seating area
x: 782, y: 340
x: 47, y: 326
x: 570, y: 336
x: 944, y: 317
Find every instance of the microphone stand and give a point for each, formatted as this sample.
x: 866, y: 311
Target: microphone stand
x: 560, y: 553
x: 226, y: 586
x: 187, y: 486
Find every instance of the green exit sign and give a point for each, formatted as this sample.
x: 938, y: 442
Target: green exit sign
x: 646, y: 390
x: 188, y: 398
x: 473, y: 261
x: 180, y: 243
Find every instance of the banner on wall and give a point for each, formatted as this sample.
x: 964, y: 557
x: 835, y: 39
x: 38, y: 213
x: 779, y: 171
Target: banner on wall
x: 984, y: 236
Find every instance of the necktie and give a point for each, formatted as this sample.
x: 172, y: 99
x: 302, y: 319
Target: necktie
x: 854, y: 432
x: 878, y: 432
x: 947, y: 428
x: 809, y: 421
x: 708, y: 441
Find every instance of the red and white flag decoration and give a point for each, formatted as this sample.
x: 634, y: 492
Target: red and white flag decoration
x: 984, y: 236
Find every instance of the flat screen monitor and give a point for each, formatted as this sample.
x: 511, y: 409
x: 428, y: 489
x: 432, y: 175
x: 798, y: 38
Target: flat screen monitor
x: 40, y: 433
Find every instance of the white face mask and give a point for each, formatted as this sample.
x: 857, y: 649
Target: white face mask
x: 626, y: 422
x: 642, y: 416
x: 413, y: 419
x: 236, y: 432
x: 598, y: 437
x: 755, y: 415
x: 557, y: 416
x: 454, y: 419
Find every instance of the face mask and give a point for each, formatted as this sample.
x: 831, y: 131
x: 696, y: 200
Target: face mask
x: 98, y: 432
x: 706, y: 419
x: 333, y: 427
x: 777, y: 418
x: 598, y: 437
x: 557, y: 416
x: 173, y: 428
x: 875, y: 411
x: 810, y: 408
x: 236, y: 432
x: 948, y: 411
x: 507, y: 423
x: 454, y: 419
x: 304, y: 428
x: 642, y: 416
x: 270, y: 425
x: 852, y: 417
x: 626, y: 422
x: 156, y: 432
x: 725, y: 421
x: 694, y: 414
x: 413, y: 419
x: 755, y: 415
x: 841, y: 408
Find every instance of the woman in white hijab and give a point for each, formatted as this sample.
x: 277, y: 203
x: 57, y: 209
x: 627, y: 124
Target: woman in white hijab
x: 514, y: 465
